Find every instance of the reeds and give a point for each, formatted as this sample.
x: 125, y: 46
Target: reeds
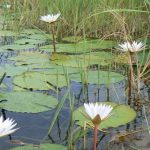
x: 96, y: 18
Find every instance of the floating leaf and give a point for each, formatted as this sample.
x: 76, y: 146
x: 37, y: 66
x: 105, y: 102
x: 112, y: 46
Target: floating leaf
x: 142, y: 57
x: 16, y: 47
x: 29, y: 102
x: 36, y: 60
x: 102, y: 58
x: 30, y: 58
x: 41, y: 147
x: 7, y: 33
x: 12, y: 70
x: 121, y: 114
x: 40, y: 81
x: 31, y: 31
x: 72, y: 39
x: 81, y: 47
x: 40, y: 36
x: 97, y: 77
x: 122, y: 58
x: 25, y: 41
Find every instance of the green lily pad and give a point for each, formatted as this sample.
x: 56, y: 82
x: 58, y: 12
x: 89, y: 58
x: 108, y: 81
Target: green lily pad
x: 67, y: 48
x: 81, y: 47
x: 40, y: 36
x: 29, y: 102
x: 29, y: 41
x: 30, y: 58
x: 122, y: 58
x: 102, y: 58
x: 41, y: 147
x: 40, y: 81
x: 121, y: 115
x: 72, y: 39
x: 7, y: 33
x: 97, y: 77
x: 12, y: 70
x: 142, y: 57
x: 34, y: 60
x: 31, y: 31
x: 17, y: 47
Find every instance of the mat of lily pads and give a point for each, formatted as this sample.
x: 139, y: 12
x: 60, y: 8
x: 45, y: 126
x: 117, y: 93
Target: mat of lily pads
x: 121, y: 115
x: 42, y: 60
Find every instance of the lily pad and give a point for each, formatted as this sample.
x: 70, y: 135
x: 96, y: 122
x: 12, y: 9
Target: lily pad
x: 45, y: 146
x: 97, y: 77
x: 122, y: 59
x: 17, y: 47
x: 40, y: 36
x: 40, y: 61
x: 7, y: 33
x: 30, y: 58
x: 142, y: 57
x: 81, y: 47
x: 29, y: 102
x: 40, y: 81
x: 25, y: 41
x: 102, y: 58
x: 12, y: 70
x: 121, y: 114
x: 72, y: 39
x: 31, y: 31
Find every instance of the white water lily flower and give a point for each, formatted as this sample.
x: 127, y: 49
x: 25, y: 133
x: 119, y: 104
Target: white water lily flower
x: 6, y: 126
x: 50, y: 18
x: 7, y: 6
x: 131, y: 47
x: 94, y: 109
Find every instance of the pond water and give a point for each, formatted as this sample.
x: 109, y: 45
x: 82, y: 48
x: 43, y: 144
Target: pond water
x: 34, y: 127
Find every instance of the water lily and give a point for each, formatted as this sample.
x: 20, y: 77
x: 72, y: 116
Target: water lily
x: 6, y: 126
x: 50, y: 18
x: 98, y: 111
x: 7, y: 6
x: 131, y: 46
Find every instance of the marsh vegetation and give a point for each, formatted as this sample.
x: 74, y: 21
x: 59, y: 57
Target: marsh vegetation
x: 62, y: 60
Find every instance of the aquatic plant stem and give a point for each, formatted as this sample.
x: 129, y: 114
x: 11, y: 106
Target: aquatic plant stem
x: 53, y: 34
x: 130, y: 78
x: 95, y: 137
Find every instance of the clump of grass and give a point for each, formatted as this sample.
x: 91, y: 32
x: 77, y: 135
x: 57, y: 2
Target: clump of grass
x: 97, y: 18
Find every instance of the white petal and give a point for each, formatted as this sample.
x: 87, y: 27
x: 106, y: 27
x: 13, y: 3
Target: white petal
x: 6, y: 126
x: 131, y: 46
x: 102, y: 110
x: 50, y: 18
